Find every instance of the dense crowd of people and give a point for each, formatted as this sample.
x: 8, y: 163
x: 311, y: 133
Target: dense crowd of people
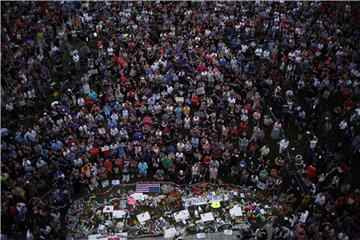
x: 184, y: 92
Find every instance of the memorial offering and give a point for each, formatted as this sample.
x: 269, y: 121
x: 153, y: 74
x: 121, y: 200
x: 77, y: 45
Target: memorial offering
x: 153, y: 214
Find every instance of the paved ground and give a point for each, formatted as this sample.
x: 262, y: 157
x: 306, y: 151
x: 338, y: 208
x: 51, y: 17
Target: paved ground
x: 211, y: 236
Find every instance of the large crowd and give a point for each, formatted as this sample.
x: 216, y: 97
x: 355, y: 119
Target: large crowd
x: 184, y: 92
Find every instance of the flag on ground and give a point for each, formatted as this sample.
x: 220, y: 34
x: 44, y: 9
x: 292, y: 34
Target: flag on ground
x: 148, y: 187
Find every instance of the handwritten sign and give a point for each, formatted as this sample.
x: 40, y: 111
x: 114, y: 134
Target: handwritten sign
x: 206, y: 217
x: 182, y: 215
x: 196, y: 201
x: 108, y: 209
x: 143, y: 217
x: 119, y: 213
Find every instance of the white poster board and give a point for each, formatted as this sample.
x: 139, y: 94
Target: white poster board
x: 143, y: 217
x: 119, y: 213
x: 179, y: 99
x: 139, y: 196
x: 236, y: 211
x: 200, y: 235
x: 115, y: 182
x: 206, y: 217
x: 170, y: 233
x: 105, y: 183
x: 182, y: 215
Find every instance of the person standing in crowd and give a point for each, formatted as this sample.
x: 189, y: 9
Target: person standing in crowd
x: 153, y: 91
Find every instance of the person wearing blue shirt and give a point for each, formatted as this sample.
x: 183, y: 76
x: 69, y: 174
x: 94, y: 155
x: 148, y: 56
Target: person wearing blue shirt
x: 142, y: 166
x: 194, y: 143
x: 168, y: 77
x: 71, y: 157
x: 178, y: 112
x: 152, y: 100
x: 19, y: 138
x: 112, y: 123
x: 234, y: 43
x: 93, y: 96
x: 107, y: 110
x: 138, y: 136
x: 57, y: 145
x: 121, y: 150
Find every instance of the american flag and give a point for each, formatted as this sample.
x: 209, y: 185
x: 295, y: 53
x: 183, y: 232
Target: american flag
x: 148, y: 187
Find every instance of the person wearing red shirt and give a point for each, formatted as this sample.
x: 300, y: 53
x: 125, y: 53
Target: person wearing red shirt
x: 207, y: 160
x: 94, y: 151
x: 88, y: 101
x: 242, y: 127
x: 201, y: 68
x: 195, y: 101
x: 234, y: 132
x: 105, y: 151
x: 108, y: 165
x: 310, y: 172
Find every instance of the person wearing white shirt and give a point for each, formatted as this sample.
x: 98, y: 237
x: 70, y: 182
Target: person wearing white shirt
x: 80, y: 101
x: 343, y: 125
x: 114, y: 117
x: 9, y: 106
x: 265, y: 150
x: 232, y: 101
x: 320, y: 199
x: 283, y: 145
x: 110, y: 51
x: 76, y: 58
x: 114, y: 131
x: 86, y: 88
x: 78, y: 162
x: 313, y: 142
